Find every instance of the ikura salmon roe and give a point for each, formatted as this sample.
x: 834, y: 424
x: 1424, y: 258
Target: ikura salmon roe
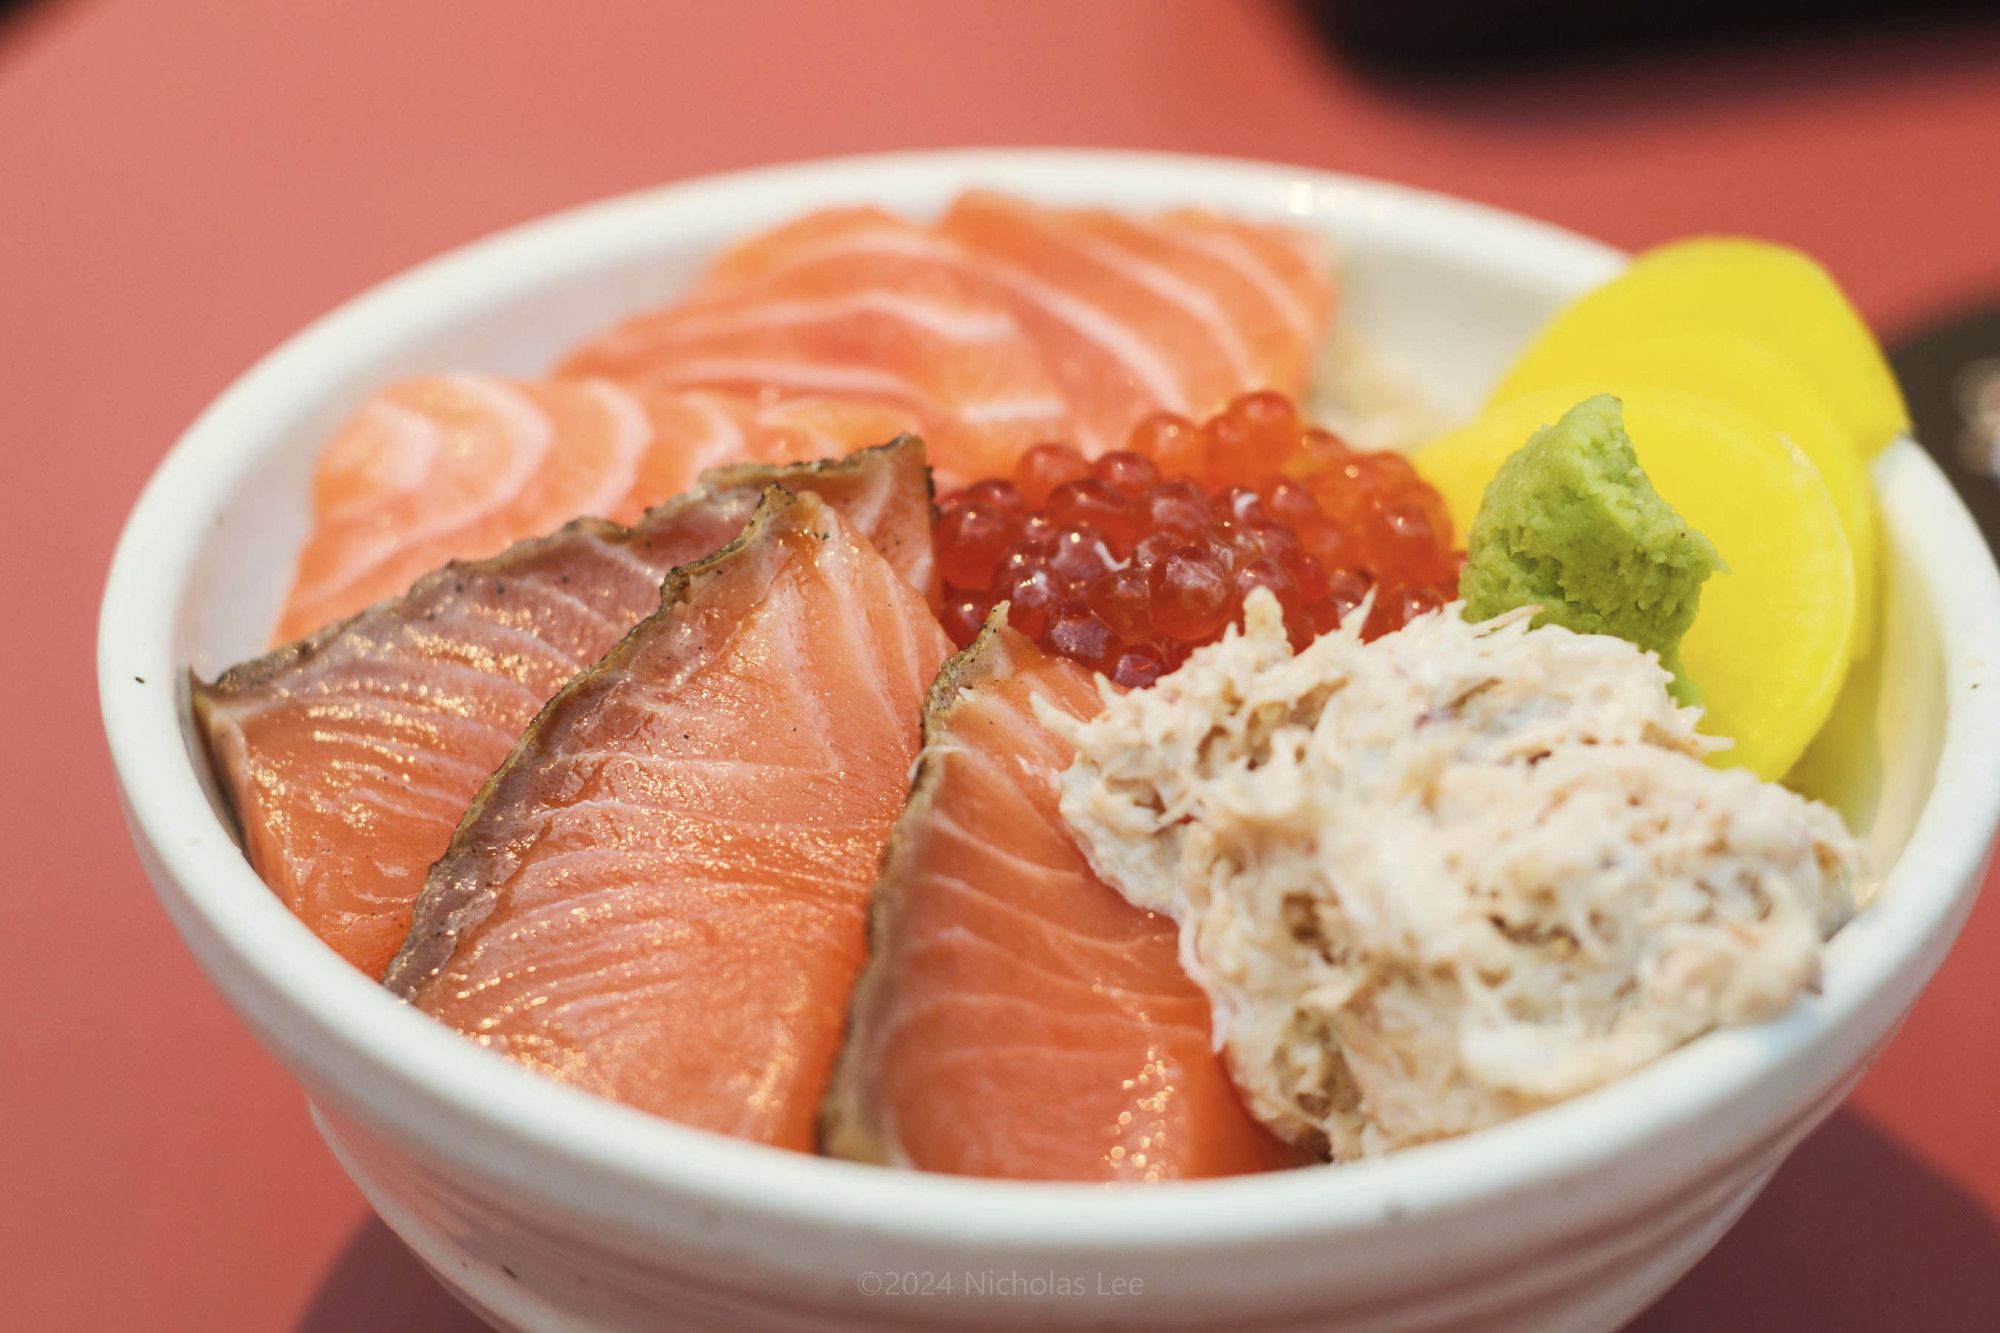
x: 1129, y: 562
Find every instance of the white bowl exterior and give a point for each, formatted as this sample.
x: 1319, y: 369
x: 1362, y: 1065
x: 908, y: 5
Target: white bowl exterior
x: 549, y: 1209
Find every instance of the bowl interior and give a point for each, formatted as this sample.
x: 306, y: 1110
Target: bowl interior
x: 1447, y: 290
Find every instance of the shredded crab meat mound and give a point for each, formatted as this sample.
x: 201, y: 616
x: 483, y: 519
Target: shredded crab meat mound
x: 1438, y: 880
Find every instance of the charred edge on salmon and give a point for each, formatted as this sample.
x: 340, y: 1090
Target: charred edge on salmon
x: 847, y: 1128
x: 208, y: 728
x: 713, y: 484
x: 208, y: 700
x: 744, y: 476
x: 449, y: 905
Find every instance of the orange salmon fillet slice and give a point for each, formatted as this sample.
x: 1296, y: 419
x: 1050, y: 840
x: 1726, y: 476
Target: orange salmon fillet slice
x: 661, y: 896
x: 860, y: 304
x: 455, y: 467
x: 1018, y: 1017
x: 349, y: 758
x: 1005, y: 324
x: 1177, y: 313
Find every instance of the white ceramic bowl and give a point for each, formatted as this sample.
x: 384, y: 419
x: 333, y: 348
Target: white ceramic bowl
x: 545, y: 1208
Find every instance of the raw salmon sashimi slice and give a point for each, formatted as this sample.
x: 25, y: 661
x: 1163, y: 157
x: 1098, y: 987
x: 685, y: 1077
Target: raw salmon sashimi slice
x: 661, y: 896
x: 858, y: 303
x: 1175, y: 313
x: 1017, y: 1016
x: 349, y: 758
x: 454, y: 467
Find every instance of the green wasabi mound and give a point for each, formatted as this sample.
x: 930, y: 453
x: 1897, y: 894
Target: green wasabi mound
x: 1571, y: 524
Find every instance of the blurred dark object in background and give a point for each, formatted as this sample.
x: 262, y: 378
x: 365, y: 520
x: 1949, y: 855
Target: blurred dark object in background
x: 1466, y: 34
x: 1950, y: 371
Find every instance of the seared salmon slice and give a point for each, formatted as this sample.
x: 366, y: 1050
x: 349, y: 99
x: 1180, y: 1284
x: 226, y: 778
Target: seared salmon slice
x: 348, y: 758
x: 454, y: 467
x: 661, y: 896
x: 1017, y: 1016
x: 860, y: 304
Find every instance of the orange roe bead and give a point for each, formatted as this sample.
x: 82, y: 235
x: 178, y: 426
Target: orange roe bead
x: 1270, y: 425
x: 1045, y: 467
x: 1076, y: 632
x: 971, y: 539
x: 1098, y: 505
x: 1177, y: 506
x: 1191, y: 594
x: 962, y: 617
x: 1140, y: 665
x: 1126, y: 471
x: 1123, y: 600
x: 1173, y: 442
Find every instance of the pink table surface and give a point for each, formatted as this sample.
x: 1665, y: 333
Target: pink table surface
x: 182, y: 184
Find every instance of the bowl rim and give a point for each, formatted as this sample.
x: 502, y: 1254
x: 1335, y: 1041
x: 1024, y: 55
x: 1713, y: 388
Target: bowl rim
x: 458, y: 1101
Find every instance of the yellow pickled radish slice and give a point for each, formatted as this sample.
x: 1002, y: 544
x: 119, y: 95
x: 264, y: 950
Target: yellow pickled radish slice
x: 1747, y: 375
x: 1774, y: 636
x: 1768, y: 292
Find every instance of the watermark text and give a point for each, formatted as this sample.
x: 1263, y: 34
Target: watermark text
x: 1001, y: 1283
